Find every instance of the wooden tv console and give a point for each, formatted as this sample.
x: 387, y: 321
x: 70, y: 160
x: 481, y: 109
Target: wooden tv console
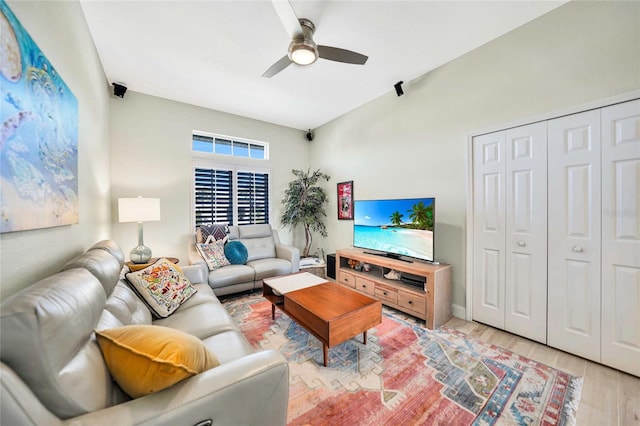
x: 426, y: 294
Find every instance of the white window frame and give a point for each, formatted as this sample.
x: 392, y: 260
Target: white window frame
x: 233, y: 139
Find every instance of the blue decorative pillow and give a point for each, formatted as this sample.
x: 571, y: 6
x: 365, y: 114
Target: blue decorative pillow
x: 236, y: 252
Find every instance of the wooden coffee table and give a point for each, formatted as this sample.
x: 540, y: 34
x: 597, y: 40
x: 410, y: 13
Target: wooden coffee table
x: 329, y: 311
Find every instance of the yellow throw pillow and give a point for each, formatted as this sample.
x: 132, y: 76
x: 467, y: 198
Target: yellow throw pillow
x: 144, y: 359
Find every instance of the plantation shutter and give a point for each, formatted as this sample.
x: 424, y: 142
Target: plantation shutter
x: 213, y: 196
x: 253, y: 198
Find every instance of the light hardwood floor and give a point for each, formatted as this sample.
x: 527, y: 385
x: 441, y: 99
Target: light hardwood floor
x: 609, y: 397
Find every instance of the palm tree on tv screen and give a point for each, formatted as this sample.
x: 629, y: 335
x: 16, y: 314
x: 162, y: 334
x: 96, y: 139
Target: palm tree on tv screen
x: 396, y: 218
x: 422, y: 216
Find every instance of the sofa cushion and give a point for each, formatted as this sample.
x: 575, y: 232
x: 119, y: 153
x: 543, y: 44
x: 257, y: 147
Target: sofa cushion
x: 234, y: 232
x: 229, y: 346
x: 46, y: 338
x: 266, y: 268
x: 144, y: 359
x: 259, y: 248
x: 204, y: 295
x: 124, y: 307
x: 201, y: 321
x: 258, y: 239
x: 254, y: 231
x: 111, y: 247
x: 162, y: 286
x: 229, y: 275
x: 236, y: 252
x: 214, y: 254
x: 101, y: 263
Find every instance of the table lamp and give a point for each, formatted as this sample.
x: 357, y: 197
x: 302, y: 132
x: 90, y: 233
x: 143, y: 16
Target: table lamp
x: 139, y: 210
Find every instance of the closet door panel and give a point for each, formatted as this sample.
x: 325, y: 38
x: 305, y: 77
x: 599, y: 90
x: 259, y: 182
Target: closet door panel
x: 489, y: 229
x: 621, y: 236
x: 526, y: 232
x: 574, y: 234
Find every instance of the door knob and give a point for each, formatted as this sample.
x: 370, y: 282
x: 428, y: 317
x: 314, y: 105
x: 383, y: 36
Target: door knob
x: 577, y: 249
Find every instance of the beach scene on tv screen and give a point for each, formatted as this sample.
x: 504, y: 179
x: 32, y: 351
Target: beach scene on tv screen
x: 404, y: 227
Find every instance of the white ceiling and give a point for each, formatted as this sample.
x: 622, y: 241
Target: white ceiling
x: 213, y: 53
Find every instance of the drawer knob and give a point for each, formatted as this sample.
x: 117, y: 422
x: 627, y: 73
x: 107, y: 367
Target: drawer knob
x: 577, y: 249
x: 411, y: 302
x: 384, y: 292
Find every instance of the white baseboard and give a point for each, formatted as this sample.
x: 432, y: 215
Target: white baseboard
x: 458, y: 311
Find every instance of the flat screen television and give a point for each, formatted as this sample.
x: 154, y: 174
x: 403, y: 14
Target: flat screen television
x: 395, y: 228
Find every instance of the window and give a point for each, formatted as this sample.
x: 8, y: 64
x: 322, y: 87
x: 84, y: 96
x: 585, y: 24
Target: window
x: 230, y: 194
x: 213, y: 196
x: 224, y: 145
x: 253, y: 198
x: 237, y: 194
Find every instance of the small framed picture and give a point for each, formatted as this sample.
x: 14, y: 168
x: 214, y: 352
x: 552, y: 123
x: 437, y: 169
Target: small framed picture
x: 345, y: 200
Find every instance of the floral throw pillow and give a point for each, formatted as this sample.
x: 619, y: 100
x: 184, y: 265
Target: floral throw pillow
x: 216, y: 231
x: 213, y: 254
x: 162, y: 287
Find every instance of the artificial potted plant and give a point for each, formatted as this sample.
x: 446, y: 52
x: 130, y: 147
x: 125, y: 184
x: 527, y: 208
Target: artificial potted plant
x: 304, y: 204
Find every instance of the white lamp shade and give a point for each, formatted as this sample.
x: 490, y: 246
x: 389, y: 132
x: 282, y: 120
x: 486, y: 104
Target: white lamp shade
x: 138, y: 209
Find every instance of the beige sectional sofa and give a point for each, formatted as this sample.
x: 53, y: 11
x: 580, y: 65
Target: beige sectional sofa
x: 268, y: 257
x: 52, y: 370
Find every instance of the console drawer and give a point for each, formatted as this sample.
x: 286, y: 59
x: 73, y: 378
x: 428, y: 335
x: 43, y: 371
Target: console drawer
x: 412, y: 301
x: 347, y: 279
x: 365, y: 285
x: 387, y: 294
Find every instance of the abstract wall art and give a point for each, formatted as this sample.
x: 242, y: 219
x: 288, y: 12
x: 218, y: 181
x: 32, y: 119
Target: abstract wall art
x: 39, y: 136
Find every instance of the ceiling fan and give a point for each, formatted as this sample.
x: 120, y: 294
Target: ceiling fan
x: 302, y: 49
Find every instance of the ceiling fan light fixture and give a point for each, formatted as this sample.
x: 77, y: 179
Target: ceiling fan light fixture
x: 302, y: 49
x: 303, y: 54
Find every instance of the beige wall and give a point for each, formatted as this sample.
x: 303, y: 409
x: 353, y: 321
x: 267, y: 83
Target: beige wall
x: 415, y: 145
x: 61, y: 32
x: 151, y: 156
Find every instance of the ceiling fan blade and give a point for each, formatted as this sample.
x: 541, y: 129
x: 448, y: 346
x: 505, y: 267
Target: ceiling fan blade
x: 341, y: 55
x: 277, y: 67
x: 288, y: 17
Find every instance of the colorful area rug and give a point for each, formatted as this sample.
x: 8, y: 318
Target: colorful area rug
x: 408, y: 375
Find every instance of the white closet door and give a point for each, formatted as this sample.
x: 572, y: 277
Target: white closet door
x: 526, y: 232
x: 621, y: 236
x: 489, y: 229
x: 574, y: 234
